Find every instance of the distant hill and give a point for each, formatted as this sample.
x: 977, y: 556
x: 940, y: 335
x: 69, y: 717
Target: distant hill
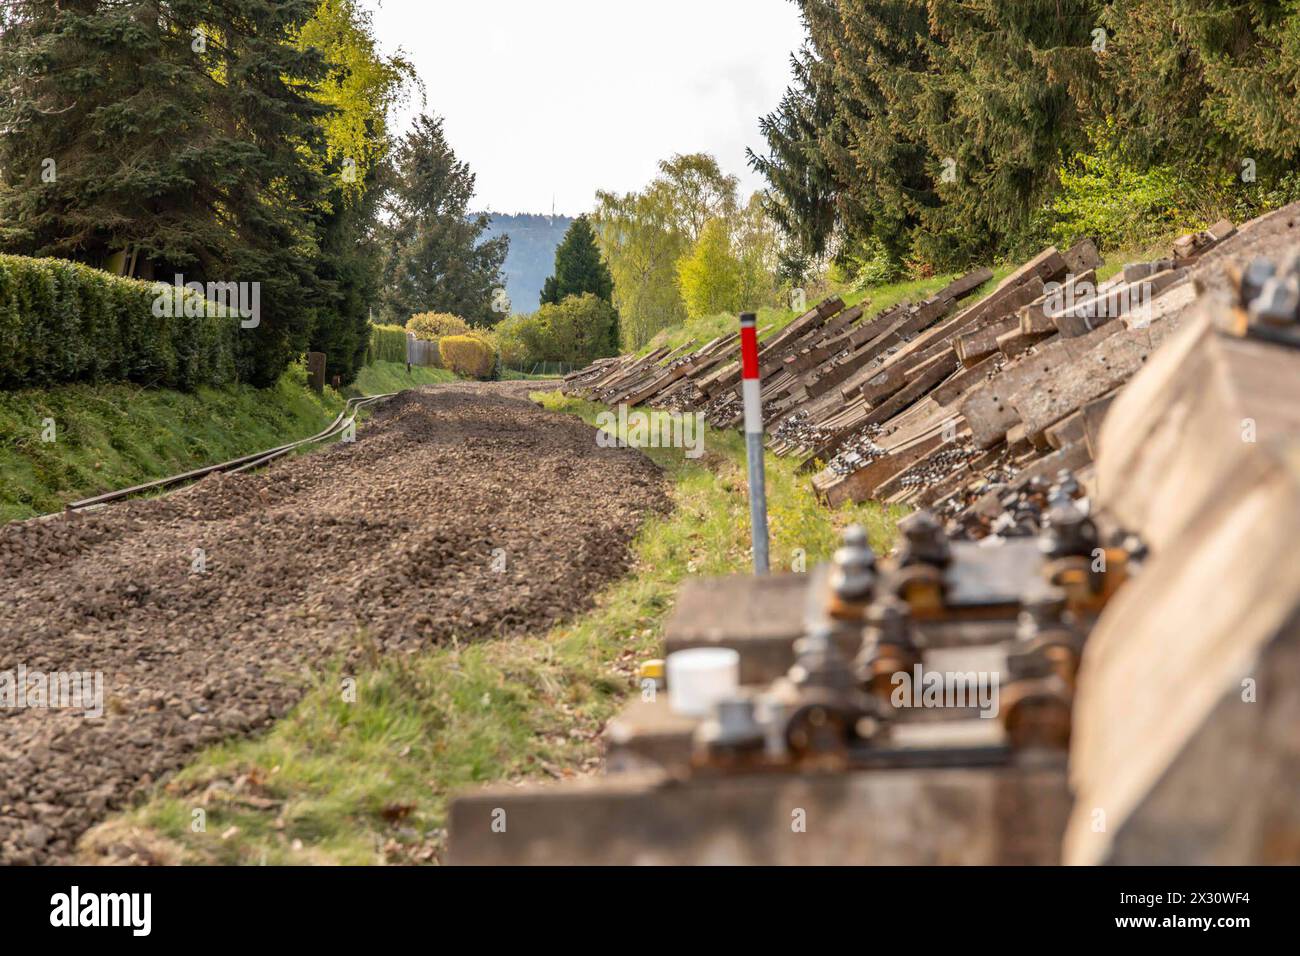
x: 533, y: 239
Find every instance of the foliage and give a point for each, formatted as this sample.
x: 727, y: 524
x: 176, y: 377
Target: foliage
x: 467, y: 355
x: 756, y: 244
x: 387, y: 344
x: 948, y: 130
x: 437, y: 259
x: 209, y: 142
x: 870, y: 265
x: 65, y: 322
x: 698, y: 191
x: 125, y: 105
x: 710, y: 274
x: 578, y: 267
x: 645, y: 235
x: 111, y: 436
x: 360, y: 87
x: 575, y: 331
x: 802, y: 201
x: 380, y: 378
x: 432, y: 326
x: 1104, y: 196
x: 642, y: 241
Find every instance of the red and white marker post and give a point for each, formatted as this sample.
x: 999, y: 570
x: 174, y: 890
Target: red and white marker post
x: 751, y: 392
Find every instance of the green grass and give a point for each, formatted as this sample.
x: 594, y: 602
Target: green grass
x: 113, y: 436
x: 369, y: 781
x: 384, y: 377
x: 514, y: 375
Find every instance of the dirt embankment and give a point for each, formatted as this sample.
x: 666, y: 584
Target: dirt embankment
x: 461, y: 511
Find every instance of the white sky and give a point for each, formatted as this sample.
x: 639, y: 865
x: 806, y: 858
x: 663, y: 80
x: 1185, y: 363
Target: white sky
x: 559, y: 98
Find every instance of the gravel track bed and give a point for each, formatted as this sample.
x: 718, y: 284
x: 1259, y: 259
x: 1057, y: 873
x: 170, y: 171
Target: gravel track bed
x: 398, y: 538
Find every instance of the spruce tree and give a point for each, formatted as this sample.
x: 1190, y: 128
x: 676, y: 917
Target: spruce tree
x: 802, y: 197
x: 437, y: 258
x: 578, y: 267
x: 119, y: 139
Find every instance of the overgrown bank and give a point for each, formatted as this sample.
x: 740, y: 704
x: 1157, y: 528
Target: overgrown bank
x: 67, y: 442
x: 368, y: 781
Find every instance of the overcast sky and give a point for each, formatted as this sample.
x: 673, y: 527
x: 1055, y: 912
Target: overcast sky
x: 559, y: 98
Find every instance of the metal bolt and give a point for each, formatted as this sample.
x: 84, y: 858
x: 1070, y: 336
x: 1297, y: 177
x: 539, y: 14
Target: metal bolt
x: 1278, y: 302
x: 924, y: 541
x: 1067, y: 532
x: 853, y: 577
x: 818, y: 664
x: 1040, y: 612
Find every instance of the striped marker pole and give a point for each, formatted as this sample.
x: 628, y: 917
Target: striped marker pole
x: 751, y: 392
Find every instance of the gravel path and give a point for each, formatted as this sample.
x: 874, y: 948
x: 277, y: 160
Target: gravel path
x: 460, y: 511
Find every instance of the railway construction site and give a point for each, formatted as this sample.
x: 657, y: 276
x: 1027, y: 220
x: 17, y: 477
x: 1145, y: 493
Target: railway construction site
x: 1078, y: 646
x: 1083, y: 647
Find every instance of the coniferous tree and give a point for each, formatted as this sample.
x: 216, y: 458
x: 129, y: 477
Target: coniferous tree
x: 578, y: 267
x: 802, y: 198
x: 119, y: 140
x: 998, y: 116
x: 437, y: 258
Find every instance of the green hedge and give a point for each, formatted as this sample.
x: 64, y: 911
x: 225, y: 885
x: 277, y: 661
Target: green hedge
x: 62, y: 321
x: 387, y: 344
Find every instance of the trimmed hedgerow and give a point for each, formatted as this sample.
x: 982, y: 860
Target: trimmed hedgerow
x: 63, y: 321
x: 387, y: 344
x: 467, y: 355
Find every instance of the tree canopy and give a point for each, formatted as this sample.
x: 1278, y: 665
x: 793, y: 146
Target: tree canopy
x: 438, y: 259
x: 223, y: 140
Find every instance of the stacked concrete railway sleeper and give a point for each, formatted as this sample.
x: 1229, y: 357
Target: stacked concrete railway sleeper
x: 1093, y: 661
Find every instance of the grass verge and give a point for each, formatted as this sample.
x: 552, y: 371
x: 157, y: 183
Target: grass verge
x: 368, y: 781
x: 380, y: 378
x: 113, y: 436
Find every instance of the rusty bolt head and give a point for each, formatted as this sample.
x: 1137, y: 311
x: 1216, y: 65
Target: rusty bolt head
x: 1278, y: 302
x: 1067, y: 532
x: 924, y: 541
x: 853, y: 574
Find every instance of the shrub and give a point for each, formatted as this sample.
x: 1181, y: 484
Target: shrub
x: 468, y: 355
x: 1107, y: 196
x: 575, y: 331
x: 387, y: 344
x: 432, y: 326
x: 510, y: 341
x: 63, y: 321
